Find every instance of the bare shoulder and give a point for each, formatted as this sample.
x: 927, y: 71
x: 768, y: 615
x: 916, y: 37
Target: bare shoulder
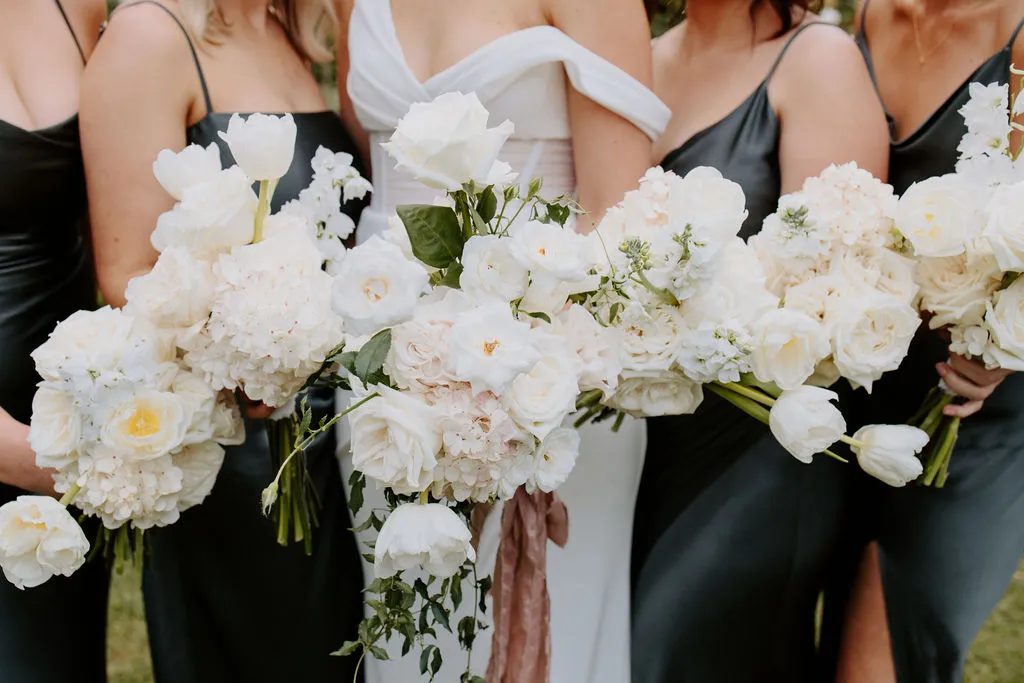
x: 822, y: 57
x: 142, y: 37
x: 594, y: 13
x: 86, y: 16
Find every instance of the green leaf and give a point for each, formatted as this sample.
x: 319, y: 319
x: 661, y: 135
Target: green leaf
x: 425, y: 658
x: 467, y: 631
x: 379, y: 652
x: 435, y: 662
x: 558, y: 213
x: 487, y: 205
x: 540, y: 316
x: 348, y: 648
x: 434, y: 233
x: 485, y: 587
x: 440, y: 616
x: 407, y: 646
x: 452, y: 274
x: 347, y: 360
x: 355, y: 498
x: 456, y: 591
x: 371, y: 356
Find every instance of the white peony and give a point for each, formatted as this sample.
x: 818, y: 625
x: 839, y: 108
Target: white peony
x: 262, y: 145
x: 938, y: 216
x: 491, y: 269
x: 212, y: 216
x: 805, y: 422
x: 787, y: 346
x: 39, y: 539
x: 488, y: 347
x: 889, y: 452
x: 1005, y: 228
x: 1005, y: 321
x: 146, y: 424
x: 556, y: 457
x: 194, y: 165
x: 446, y: 143
x: 871, y: 336
x: 177, y: 292
x: 55, y: 432
x: 654, y: 393
x: 431, y: 536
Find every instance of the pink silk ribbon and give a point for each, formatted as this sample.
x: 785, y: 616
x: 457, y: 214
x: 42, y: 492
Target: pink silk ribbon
x: 521, y: 644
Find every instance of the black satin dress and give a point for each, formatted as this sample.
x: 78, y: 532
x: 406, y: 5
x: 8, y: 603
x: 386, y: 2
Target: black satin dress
x: 45, y: 276
x: 947, y: 554
x: 224, y: 602
x: 732, y: 535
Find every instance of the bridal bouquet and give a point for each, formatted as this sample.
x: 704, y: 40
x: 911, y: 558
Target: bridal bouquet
x: 967, y: 231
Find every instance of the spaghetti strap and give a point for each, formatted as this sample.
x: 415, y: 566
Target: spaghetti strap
x: 861, y: 31
x: 74, y: 37
x: 785, y: 48
x: 191, y: 46
x: 1016, y: 32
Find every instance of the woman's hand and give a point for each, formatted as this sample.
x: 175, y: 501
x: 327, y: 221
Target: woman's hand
x: 256, y: 410
x: 18, y: 461
x: 970, y: 379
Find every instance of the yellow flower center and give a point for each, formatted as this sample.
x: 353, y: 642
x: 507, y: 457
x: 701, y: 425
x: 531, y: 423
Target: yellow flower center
x: 375, y: 289
x: 143, y: 422
x: 490, y: 346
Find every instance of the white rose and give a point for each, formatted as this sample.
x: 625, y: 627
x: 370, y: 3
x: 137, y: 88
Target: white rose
x: 598, y: 348
x: 211, y: 217
x: 227, y: 426
x: 262, y: 145
x: 490, y: 269
x: 556, y: 456
x: 376, y: 286
x: 539, y: 400
x: 191, y: 166
x: 714, y: 205
x: 1005, y: 321
x: 395, y: 438
x: 938, y: 216
x: 1005, y: 227
x: 178, y: 292
x: 805, y: 422
x: 488, y: 348
x: 878, y: 268
x: 146, y: 424
x: 540, y: 299
x: 200, y: 400
x: 550, y: 252
x: 956, y: 289
x: 418, y: 353
x: 55, y: 432
x: 787, y: 347
x: 200, y: 464
x: 871, y: 336
x: 889, y: 452
x: 430, y: 536
x: 39, y: 539
x: 446, y: 142
x: 652, y: 337
x: 654, y: 393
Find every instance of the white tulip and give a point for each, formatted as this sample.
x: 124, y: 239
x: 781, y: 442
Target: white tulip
x: 194, y: 165
x: 430, y: 536
x: 805, y: 422
x: 889, y: 452
x: 262, y: 145
x: 938, y: 216
x: 39, y: 539
x: 787, y: 347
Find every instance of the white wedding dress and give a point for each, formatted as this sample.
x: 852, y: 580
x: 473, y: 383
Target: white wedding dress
x: 521, y: 77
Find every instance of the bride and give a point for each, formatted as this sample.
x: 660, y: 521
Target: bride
x: 572, y: 76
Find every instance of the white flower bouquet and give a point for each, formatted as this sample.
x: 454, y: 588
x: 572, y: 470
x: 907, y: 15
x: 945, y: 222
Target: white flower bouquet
x: 967, y: 233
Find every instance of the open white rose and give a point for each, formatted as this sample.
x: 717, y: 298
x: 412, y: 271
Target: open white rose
x: 652, y: 337
x: 146, y: 424
x: 871, y: 336
x: 263, y: 145
x: 787, y: 347
x: 177, y: 292
x: 395, y: 438
x: 956, y: 289
x: 805, y: 422
x: 488, y: 347
x: 376, y: 286
x: 1005, y: 321
x: 39, y: 539
x: 1005, y: 227
x: 55, y: 432
x: 597, y: 347
x: 556, y: 456
x: 654, y: 393
x: 938, y: 216
x: 709, y: 201
x: 430, y: 536
x: 211, y: 217
x: 539, y: 400
x: 491, y: 269
x: 193, y: 165
x: 552, y: 253
x: 417, y: 357
x: 446, y: 143
x: 889, y: 452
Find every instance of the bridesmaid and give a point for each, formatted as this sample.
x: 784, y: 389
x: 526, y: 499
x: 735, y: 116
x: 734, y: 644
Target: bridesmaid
x: 224, y: 602
x: 944, y: 556
x: 45, y: 276
x: 732, y: 535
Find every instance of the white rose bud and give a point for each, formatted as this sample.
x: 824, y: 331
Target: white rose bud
x: 805, y: 422
x: 889, y: 452
x: 788, y: 345
x: 938, y: 216
x: 263, y: 146
x: 430, y: 536
x: 191, y: 166
x: 39, y: 539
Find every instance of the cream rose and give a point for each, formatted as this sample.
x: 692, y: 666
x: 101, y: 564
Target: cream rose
x: 556, y: 457
x: 938, y: 216
x: 787, y: 347
x: 1005, y: 321
x: 1005, y: 227
x: 55, y: 432
x: 871, y: 336
x: 39, y: 539
x: 956, y: 289
x: 654, y: 393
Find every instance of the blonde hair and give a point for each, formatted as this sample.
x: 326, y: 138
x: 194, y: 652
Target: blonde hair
x: 309, y: 24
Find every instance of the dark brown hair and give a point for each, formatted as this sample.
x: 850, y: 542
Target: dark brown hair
x: 783, y: 8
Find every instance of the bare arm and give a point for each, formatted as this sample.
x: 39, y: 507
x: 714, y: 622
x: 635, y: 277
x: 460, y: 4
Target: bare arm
x: 138, y: 92
x: 610, y: 153
x: 347, y: 111
x: 18, y: 464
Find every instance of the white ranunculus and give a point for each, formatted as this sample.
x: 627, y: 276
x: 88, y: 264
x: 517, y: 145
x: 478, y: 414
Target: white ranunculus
x: 430, y: 536
x: 39, y: 539
x: 446, y: 143
x: 552, y: 253
x: 395, y: 438
x: 955, y: 289
x: 193, y: 165
x: 556, y: 456
x: 1005, y: 321
x: 491, y: 269
x: 805, y: 422
x: 889, y: 452
x: 654, y: 393
x: 488, y: 347
x: 787, y: 346
x: 55, y: 432
x: 211, y: 217
x: 146, y: 424
x: 871, y: 336
x: 177, y: 292
x: 938, y: 216
x: 1005, y: 228
x: 263, y: 145
x: 376, y: 286
x: 539, y: 400
x: 200, y: 464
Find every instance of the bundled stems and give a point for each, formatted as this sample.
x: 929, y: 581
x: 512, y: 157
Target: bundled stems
x: 942, y: 431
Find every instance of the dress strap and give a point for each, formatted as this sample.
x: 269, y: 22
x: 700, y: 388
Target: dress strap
x: 74, y: 37
x: 785, y: 48
x: 191, y: 46
x: 1016, y: 32
x: 861, y: 30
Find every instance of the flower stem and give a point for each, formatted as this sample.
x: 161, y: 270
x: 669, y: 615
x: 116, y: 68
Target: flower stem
x: 69, y: 497
x: 851, y: 442
x: 261, y: 210
x: 752, y: 394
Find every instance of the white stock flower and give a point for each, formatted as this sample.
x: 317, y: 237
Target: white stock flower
x: 805, y: 422
x: 556, y: 456
x: 377, y: 286
x: 262, y: 145
x: 446, y: 142
x: 211, y: 217
x: 988, y: 125
x: 794, y: 231
x: 1005, y: 321
x: 177, y: 292
x: 193, y: 165
x: 491, y: 269
x: 889, y: 452
x: 956, y: 289
x: 488, y: 347
x: 938, y: 216
x: 55, y: 432
x: 199, y: 464
x: 970, y: 341
x: 146, y: 424
x: 395, y: 438
x: 539, y: 400
x: 430, y: 536
x: 787, y: 346
x: 654, y: 393
x: 1005, y: 228
x: 871, y: 336
x: 39, y: 539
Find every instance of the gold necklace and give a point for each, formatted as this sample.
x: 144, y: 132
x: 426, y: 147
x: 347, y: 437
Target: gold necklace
x: 923, y: 56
